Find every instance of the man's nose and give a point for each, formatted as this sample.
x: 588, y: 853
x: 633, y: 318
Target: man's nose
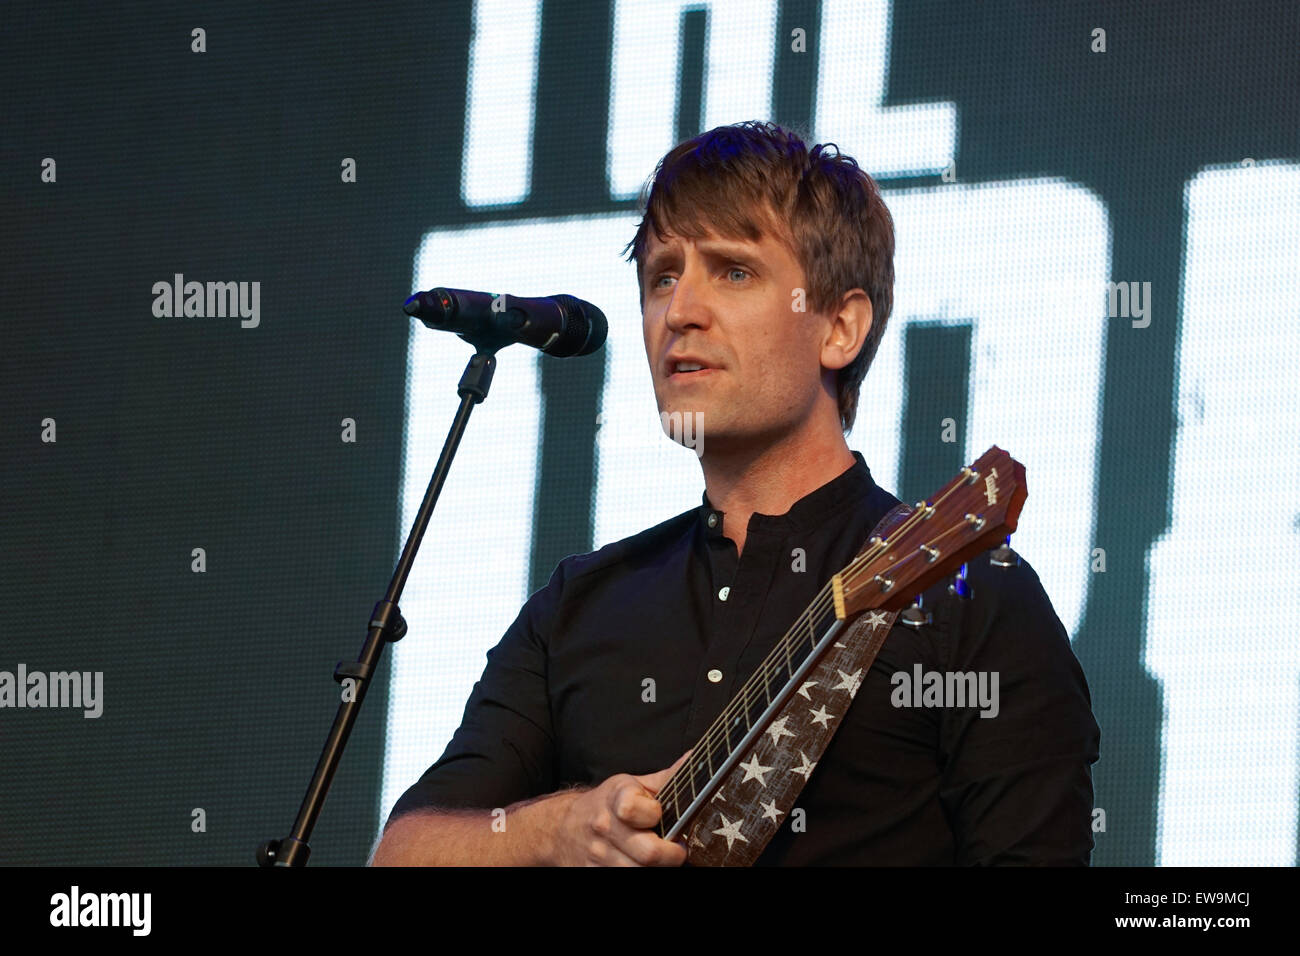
x: 688, y: 305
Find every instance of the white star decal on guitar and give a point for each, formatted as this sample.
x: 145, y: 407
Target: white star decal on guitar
x: 777, y: 730
x: 807, y: 767
x: 731, y: 831
x: 770, y: 811
x: 804, y: 689
x: 754, y: 770
x: 820, y: 716
x: 849, y: 682
x: 876, y: 618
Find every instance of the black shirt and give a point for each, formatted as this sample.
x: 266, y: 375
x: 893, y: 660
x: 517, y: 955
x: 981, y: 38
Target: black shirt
x: 623, y: 660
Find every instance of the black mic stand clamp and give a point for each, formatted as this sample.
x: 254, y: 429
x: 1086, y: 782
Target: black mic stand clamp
x: 386, y: 622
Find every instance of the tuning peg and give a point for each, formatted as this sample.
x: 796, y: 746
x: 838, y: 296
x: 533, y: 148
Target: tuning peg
x: 1003, y: 556
x: 960, y: 586
x: 915, y: 616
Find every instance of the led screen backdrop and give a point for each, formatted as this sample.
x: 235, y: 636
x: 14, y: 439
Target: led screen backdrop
x: 1097, y: 216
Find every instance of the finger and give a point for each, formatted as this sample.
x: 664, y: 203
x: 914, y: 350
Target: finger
x: 654, y: 782
x: 609, y: 850
x: 633, y: 806
x: 648, y: 849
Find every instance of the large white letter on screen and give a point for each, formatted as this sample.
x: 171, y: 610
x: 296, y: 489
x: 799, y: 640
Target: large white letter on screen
x: 854, y: 64
x: 1025, y: 264
x: 502, y: 102
x: 1221, y: 627
x: 647, y: 45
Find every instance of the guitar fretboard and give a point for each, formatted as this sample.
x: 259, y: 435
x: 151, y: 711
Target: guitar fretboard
x: 748, y: 714
x: 909, y: 549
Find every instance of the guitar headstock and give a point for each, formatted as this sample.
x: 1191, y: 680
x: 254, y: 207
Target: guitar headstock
x: 971, y: 513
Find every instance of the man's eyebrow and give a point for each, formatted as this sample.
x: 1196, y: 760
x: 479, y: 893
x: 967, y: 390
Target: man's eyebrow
x: 717, y: 248
x: 655, y: 258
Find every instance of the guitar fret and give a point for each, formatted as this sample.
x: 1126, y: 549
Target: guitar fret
x: 734, y: 726
x: 758, y: 708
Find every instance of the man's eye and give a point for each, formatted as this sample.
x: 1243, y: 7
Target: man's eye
x: 658, y: 282
x: 734, y: 269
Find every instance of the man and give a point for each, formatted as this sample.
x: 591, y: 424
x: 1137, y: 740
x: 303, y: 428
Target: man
x: 766, y: 274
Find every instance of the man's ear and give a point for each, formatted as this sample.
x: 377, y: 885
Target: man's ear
x: 848, y: 329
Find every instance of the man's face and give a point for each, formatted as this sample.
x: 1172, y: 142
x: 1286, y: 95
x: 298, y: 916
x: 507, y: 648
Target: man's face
x: 727, y: 304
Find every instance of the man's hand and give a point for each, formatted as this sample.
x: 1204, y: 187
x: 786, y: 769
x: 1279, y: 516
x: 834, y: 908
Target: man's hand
x: 610, y: 824
x: 605, y: 826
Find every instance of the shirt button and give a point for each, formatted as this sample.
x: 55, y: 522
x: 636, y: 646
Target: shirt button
x: 713, y: 520
x: 722, y: 595
x: 715, y: 675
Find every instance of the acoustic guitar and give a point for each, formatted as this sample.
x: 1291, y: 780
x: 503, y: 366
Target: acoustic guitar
x: 731, y: 795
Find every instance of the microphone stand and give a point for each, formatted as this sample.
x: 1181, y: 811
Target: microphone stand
x: 386, y: 623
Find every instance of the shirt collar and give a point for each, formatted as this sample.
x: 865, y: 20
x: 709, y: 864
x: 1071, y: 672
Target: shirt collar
x: 845, y: 490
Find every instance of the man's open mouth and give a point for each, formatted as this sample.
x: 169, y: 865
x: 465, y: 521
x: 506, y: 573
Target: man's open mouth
x: 687, y: 367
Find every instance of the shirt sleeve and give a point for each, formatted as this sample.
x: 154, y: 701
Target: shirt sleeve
x: 503, y: 751
x: 1017, y: 785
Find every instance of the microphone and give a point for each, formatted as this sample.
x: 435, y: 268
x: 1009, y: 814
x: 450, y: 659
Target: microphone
x: 559, y: 325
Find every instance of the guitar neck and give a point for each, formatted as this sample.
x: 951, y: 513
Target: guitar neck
x: 974, y: 510
x: 749, y: 714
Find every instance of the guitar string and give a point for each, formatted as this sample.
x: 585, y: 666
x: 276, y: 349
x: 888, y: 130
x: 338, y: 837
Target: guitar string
x: 674, y: 789
x: 706, y: 749
x: 718, y: 732
x: 677, y: 789
x: 822, y: 603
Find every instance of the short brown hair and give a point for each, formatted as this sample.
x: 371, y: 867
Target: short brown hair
x: 743, y: 180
